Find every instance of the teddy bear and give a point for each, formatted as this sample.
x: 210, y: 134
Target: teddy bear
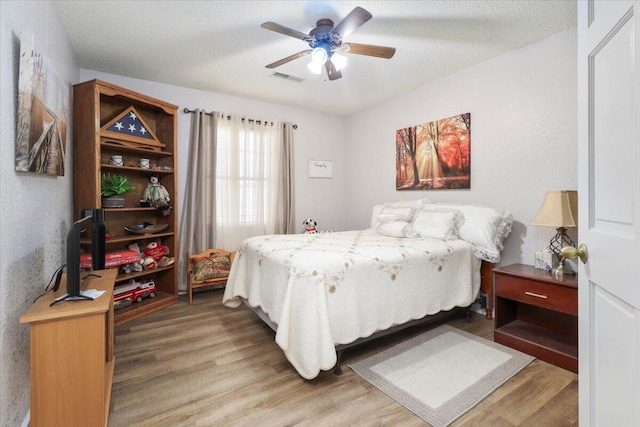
x: 134, y: 266
x: 149, y: 263
x: 158, y: 253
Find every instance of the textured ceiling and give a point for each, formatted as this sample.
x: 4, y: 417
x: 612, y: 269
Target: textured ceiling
x: 218, y: 46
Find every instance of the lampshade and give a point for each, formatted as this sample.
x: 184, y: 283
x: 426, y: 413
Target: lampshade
x: 319, y: 55
x: 315, y: 67
x: 559, y: 209
x: 339, y: 61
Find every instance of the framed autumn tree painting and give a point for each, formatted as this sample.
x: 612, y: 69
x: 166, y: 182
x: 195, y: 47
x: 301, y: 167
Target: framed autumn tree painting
x: 435, y: 155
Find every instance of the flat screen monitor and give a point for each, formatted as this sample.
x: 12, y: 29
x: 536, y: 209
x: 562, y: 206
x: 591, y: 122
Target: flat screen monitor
x: 74, y: 248
x: 97, y: 236
x: 73, y: 257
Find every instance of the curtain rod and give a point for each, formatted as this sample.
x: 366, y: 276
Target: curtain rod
x: 186, y: 110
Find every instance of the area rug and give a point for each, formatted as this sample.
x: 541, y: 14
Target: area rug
x: 441, y: 374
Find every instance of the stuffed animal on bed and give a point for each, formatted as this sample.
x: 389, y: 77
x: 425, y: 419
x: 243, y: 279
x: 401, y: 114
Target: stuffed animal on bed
x: 310, y: 227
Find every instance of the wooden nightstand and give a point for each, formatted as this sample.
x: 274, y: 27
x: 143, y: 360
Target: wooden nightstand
x: 537, y: 313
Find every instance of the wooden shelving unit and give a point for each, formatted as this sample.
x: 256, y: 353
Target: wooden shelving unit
x: 96, y: 103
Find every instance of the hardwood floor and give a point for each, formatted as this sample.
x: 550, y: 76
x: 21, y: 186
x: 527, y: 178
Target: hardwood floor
x: 208, y: 365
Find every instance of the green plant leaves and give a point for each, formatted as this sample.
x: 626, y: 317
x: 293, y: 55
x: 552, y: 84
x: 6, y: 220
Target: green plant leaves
x: 115, y: 185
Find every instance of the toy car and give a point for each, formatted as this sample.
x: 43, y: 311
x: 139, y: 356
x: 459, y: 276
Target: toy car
x: 121, y: 302
x: 134, y: 291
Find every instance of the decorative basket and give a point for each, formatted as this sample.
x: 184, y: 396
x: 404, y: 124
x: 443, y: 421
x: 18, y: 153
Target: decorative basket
x: 113, y: 202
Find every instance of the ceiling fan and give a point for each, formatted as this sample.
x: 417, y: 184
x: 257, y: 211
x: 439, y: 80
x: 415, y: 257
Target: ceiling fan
x: 326, y: 43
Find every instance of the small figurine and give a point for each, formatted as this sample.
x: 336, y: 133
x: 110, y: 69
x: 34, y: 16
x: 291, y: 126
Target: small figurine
x: 156, y: 195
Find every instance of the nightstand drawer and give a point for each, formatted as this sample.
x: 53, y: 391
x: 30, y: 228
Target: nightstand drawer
x: 540, y: 294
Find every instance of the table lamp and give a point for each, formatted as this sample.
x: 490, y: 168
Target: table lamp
x: 560, y: 210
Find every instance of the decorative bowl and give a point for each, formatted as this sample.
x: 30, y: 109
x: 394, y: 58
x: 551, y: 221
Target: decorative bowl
x: 146, y: 228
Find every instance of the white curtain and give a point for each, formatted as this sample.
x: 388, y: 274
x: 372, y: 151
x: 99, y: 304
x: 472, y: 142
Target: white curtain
x: 247, y: 172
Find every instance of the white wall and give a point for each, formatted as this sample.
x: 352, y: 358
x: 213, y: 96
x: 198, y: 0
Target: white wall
x: 35, y: 209
x: 523, y: 107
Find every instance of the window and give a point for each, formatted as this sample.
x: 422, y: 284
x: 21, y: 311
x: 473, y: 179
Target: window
x: 246, y: 180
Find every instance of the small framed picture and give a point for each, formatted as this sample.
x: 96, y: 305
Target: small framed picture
x: 320, y: 169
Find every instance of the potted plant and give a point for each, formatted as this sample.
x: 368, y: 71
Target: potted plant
x: 113, y: 188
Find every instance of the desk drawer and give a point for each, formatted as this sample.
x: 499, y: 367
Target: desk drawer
x: 540, y: 294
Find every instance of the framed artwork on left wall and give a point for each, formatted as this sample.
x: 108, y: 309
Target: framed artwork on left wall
x: 43, y: 113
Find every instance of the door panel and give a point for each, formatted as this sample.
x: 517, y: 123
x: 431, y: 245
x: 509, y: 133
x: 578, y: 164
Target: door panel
x: 611, y: 144
x: 615, y: 343
x: 613, y: 131
x: 609, y: 212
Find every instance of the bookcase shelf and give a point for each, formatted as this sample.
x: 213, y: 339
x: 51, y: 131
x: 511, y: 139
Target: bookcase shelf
x: 96, y: 104
x: 129, y: 238
x: 119, y: 169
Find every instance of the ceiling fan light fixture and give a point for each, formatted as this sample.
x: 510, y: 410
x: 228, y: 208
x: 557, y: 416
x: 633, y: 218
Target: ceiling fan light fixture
x: 339, y: 61
x: 315, y: 67
x: 326, y: 39
x: 319, y: 56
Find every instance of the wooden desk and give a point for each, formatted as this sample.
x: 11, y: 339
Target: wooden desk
x: 72, y: 357
x: 537, y: 313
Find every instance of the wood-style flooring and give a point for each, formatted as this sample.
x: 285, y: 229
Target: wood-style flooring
x: 208, y: 365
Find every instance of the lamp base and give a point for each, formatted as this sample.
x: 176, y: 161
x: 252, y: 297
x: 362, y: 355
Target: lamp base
x: 563, y: 269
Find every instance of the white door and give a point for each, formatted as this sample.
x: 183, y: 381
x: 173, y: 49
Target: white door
x: 609, y: 213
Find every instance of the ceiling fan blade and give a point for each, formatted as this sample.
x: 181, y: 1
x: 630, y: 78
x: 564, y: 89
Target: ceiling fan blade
x: 284, y: 30
x: 353, y: 20
x: 331, y: 71
x: 369, y: 50
x: 288, y: 59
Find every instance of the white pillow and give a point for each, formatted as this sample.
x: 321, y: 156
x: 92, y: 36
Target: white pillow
x: 390, y: 213
x: 438, y: 223
x: 485, y: 228
x: 415, y: 204
x: 396, y: 229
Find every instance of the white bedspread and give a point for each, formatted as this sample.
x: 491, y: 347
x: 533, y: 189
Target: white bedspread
x: 333, y: 288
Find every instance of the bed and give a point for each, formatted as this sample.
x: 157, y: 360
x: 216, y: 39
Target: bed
x: 323, y: 292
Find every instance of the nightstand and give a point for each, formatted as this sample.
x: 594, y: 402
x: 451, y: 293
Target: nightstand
x: 537, y: 313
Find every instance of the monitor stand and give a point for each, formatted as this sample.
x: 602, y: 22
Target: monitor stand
x: 67, y: 297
